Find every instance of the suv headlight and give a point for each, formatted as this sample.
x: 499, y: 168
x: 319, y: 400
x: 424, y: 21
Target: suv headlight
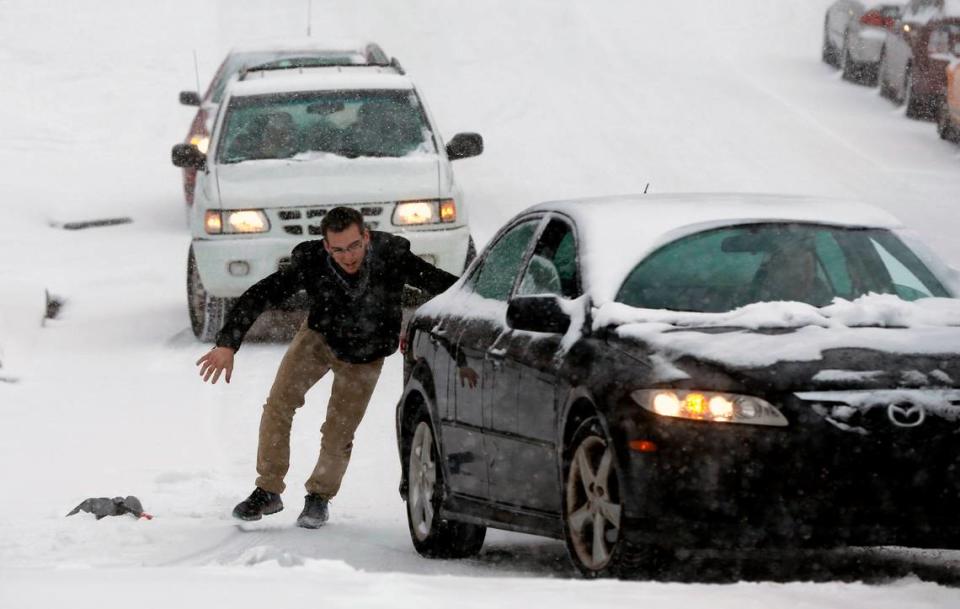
x: 429, y: 211
x: 202, y: 142
x: 229, y: 222
x: 709, y: 406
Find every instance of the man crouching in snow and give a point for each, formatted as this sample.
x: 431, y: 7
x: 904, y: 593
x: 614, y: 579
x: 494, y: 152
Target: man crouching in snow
x: 354, y: 279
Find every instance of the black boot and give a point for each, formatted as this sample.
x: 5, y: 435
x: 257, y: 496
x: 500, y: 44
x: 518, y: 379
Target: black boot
x: 258, y: 504
x: 314, y: 512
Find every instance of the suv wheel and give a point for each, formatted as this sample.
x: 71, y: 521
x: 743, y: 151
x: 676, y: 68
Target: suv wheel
x: 207, y: 313
x: 433, y: 536
x: 594, y: 527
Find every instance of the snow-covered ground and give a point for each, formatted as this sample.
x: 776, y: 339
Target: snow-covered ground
x: 574, y: 98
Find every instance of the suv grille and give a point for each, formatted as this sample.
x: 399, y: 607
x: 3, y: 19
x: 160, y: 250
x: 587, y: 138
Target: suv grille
x: 306, y: 220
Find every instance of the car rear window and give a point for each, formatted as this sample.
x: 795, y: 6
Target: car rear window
x: 378, y: 123
x: 722, y: 269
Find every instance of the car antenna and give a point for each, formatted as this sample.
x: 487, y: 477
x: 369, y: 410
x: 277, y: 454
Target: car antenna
x: 309, y: 15
x: 646, y: 188
x: 196, y: 71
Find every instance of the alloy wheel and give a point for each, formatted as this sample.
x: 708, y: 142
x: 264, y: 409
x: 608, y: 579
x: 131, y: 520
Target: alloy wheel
x: 593, y: 503
x: 422, y: 476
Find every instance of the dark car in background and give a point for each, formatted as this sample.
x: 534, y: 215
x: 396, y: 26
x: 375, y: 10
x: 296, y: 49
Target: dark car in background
x: 854, y: 32
x: 637, y: 373
x: 277, y: 54
x: 913, y: 67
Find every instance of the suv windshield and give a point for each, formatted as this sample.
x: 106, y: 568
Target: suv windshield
x: 720, y: 270
x: 347, y: 123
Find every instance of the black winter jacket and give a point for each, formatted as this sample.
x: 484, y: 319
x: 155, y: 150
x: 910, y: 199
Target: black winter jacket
x: 359, y: 328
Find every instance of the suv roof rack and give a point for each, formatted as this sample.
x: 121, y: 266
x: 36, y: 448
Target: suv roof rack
x: 299, y: 63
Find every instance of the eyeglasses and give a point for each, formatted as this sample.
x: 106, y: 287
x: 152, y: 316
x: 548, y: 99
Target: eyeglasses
x: 356, y: 246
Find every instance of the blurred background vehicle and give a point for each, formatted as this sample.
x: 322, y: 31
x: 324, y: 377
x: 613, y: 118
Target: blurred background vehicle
x: 280, y: 54
x: 948, y: 118
x: 854, y: 32
x: 913, y: 68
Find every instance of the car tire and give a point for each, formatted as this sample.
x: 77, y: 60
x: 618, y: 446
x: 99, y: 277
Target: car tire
x: 945, y: 127
x: 207, y: 313
x: 914, y: 105
x: 884, y: 86
x: 592, y: 501
x: 432, y: 535
x: 828, y: 52
x: 852, y: 71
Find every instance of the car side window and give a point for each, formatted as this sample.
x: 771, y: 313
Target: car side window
x: 553, y: 267
x: 494, y: 279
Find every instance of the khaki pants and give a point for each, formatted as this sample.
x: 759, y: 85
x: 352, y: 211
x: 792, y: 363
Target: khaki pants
x: 307, y: 359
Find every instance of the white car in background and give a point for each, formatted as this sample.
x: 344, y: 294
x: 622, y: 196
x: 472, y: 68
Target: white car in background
x: 288, y: 145
x: 854, y: 34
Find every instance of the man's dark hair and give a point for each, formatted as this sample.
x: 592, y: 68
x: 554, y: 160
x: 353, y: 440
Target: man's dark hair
x: 339, y: 219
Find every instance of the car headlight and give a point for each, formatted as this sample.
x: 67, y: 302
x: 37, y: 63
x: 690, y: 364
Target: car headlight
x: 202, y: 142
x: 429, y: 211
x: 710, y: 406
x: 227, y: 222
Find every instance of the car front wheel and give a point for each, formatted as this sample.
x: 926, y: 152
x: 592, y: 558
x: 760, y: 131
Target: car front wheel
x: 593, y: 505
x: 433, y: 536
x: 207, y: 313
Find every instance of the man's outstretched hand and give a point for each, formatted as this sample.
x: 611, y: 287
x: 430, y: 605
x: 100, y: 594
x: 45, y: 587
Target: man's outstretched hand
x: 215, y: 361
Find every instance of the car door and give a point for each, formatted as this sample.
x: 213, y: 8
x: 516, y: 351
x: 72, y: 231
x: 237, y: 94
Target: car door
x: 522, y: 435
x: 472, y: 332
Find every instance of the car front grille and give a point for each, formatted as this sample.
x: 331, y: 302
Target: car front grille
x: 884, y: 412
x: 301, y: 221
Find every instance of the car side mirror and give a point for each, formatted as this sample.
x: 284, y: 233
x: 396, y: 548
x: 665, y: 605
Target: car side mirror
x: 188, y: 155
x: 189, y: 98
x: 464, y: 145
x: 537, y: 314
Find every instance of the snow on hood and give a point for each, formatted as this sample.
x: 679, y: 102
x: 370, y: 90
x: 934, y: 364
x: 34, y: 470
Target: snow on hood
x: 327, y: 179
x: 754, y: 335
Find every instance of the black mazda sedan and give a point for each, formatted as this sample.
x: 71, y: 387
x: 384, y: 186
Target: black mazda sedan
x: 638, y: 373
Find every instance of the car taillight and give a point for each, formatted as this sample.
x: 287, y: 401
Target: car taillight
x: 876, y: 19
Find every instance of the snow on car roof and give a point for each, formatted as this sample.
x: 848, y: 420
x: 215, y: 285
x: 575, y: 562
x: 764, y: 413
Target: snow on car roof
x: 300, y: 44
x: 320, y: 79
x: 616, y: 233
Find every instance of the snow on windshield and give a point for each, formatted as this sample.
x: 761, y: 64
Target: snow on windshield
x: 346, y: 123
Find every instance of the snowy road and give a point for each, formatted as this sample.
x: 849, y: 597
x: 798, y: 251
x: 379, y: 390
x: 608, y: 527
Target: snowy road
x: 573, y: 99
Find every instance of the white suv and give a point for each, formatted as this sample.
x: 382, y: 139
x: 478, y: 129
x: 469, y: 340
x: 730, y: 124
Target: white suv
x: 286, y: 146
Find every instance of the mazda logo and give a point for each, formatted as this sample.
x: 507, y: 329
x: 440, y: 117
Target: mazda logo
x: 906, y: 415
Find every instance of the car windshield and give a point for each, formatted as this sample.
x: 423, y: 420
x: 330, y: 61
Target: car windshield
x: 241, y: 61
x: 723, y: 269
x: 375, y: 123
